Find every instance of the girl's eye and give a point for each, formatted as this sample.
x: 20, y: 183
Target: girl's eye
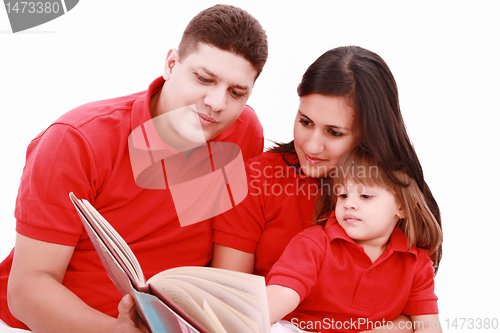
x: 334, y: 133
x: 365, y: 196
x: 342, y: 196
x: 305, y: 122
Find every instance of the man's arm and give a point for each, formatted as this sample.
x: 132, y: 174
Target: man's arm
x: 37, y: 297
x: 236, y: 260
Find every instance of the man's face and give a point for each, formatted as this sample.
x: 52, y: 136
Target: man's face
x: 218, y: 83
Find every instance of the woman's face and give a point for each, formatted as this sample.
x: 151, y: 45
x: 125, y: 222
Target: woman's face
x: 322, y: 133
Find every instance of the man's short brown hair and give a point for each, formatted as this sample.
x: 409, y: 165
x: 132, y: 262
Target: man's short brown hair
x: 230, y: 29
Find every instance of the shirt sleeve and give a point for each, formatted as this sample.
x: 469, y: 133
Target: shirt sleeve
x: 254, y: 138
x: 240, y: 227
x: 422, y: 299
x: 306, y: 250
x: 58, y: 161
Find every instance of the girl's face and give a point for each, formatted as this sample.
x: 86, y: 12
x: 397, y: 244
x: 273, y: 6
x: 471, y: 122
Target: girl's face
x: 322, y: 133
x: 368, y: 214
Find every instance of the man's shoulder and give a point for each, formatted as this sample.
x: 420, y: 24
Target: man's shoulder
x: 249, y: 113
x: 247, y: 120
x: 87, y: 114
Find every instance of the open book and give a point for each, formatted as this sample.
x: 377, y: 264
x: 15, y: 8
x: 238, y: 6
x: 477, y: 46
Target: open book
x: 182, y: 299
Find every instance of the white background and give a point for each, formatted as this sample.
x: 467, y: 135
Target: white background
x: 445, y: 57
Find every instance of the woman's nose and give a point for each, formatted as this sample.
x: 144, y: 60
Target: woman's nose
x: 314, y: 145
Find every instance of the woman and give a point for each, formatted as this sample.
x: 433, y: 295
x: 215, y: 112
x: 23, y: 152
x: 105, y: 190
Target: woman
x: 348, y: 97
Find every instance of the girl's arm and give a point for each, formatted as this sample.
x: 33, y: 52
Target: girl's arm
x: 426, y: 323
x: 281, y: 300
x: 401, y: 324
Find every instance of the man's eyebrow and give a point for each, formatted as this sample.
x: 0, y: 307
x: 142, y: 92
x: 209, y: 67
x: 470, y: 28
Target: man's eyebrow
x: 213, y: 75
x: 332, y: 126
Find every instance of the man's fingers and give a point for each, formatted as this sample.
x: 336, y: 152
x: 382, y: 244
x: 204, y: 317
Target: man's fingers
x: 126, y: 308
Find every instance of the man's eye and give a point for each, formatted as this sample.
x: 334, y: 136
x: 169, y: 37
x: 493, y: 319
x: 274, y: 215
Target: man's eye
x: 203, y: 79
x: 235, y: 94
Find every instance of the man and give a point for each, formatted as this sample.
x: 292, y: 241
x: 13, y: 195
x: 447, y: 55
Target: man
x: 56, y: 282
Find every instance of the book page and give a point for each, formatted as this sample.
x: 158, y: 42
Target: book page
x: 114, y: 266
x: 213, y: 317
x: 232, y: 322
x: 182, y: 299
x: 247, y: 305
x: 109, y: 241
x: 122, y: 249
x: 159, y: 317
x: 247, y: 283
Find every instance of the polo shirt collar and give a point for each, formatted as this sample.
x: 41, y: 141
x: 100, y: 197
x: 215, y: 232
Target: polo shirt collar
x: 398, y: 242
x: 141, y: 112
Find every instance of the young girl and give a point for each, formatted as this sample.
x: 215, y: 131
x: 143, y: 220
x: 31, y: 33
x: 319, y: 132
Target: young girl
x: 371, y: 263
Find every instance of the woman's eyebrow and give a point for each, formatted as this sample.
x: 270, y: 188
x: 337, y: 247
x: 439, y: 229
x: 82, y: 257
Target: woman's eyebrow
x: 305, y: 116
x: 331, y: 126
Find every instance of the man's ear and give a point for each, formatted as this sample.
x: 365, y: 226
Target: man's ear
x: 170, y: 61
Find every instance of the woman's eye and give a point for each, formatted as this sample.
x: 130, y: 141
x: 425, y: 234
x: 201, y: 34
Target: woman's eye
x: 334, y: 133
x: 305, y: 122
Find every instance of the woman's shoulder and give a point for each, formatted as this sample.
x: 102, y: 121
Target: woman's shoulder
x: 273, y: 159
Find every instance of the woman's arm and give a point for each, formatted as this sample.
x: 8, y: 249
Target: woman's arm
x: 229, y: 258
x: 281, y: 300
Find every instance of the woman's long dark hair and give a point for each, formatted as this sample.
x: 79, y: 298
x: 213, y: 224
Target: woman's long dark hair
x: 366, y: 81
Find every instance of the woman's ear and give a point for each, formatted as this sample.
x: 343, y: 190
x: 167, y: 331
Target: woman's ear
x: 170, y: 62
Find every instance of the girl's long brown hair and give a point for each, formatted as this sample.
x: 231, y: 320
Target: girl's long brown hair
x: 419, y: 224
x: 366, y: 81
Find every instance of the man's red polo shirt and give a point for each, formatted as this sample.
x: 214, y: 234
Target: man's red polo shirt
x: 341, y: 289
x: 86, y: 152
